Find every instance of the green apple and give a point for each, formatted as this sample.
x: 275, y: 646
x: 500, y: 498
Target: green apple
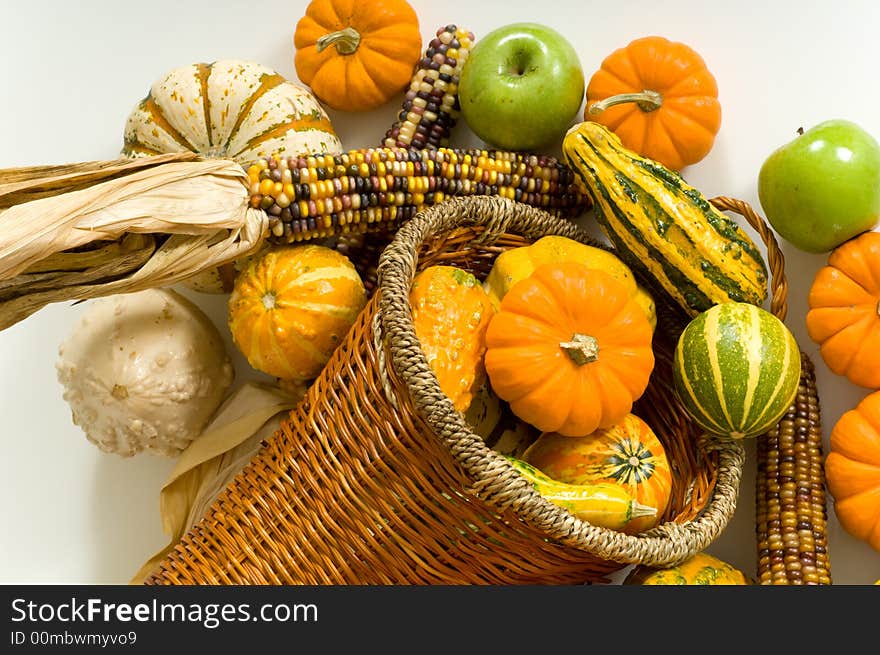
x: 823, y: 187
x: 521, y: 86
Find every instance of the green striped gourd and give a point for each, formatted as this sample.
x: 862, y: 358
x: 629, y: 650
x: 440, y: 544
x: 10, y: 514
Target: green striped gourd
x: 736, y: 370
x: 662, y: 227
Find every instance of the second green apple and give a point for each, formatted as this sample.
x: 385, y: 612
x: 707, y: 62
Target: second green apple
x: 521, y: 86
x: 823, y: 187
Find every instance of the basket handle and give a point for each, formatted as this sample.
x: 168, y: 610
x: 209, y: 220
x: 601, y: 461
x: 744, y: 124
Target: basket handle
x: 775, y: 258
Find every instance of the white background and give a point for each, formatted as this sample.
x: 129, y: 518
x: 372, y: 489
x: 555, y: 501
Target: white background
x: 72, y: 71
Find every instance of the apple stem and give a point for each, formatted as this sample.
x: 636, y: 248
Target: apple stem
x: 647, y: 101
x: 346, y: 41
x: 582, y: 349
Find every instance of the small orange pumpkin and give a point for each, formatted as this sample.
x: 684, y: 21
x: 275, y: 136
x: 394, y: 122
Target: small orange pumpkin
x: 659, y: 97
x: 844, y: 314
x: 628, y: 454
x: 291, y: 307
x: 569, y: 350
x: 451, y: 313
x: 852, y: 470
x: 356, y: 56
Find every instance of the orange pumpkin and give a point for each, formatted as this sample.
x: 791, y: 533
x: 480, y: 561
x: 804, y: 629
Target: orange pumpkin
x: 628, y: 454
x: 659, y: 97
x: 356, y: 56
x: 451, y: 313
x: 852, y: 470
x: 844, y: 314
x: 291, y: 307
x: 569, y: 350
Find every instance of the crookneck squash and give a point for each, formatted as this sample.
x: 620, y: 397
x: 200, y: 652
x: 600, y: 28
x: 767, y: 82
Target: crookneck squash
x: 663, y: 228
x: 852, y: 470
x: 291, y: 307
x: 844, y: 314
x: 236, y: 109
x: 628, y: 453
x: 451, y: 313
x: 659, y: 97
x: 516, y: 264
x: 569, y: 349
x: 356, y: 56
x: 603, y: 504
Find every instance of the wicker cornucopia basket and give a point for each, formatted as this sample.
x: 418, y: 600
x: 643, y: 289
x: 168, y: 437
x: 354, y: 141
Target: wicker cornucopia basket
x: 375, y: 479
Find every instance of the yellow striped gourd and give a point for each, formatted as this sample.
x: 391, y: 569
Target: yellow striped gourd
x: 603, y: 504
x: 662, y: 227
x: 736, y: 370
x: 291, y: 306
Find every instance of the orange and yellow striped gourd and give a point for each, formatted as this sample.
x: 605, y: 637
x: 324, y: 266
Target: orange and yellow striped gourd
x: 291, y: 307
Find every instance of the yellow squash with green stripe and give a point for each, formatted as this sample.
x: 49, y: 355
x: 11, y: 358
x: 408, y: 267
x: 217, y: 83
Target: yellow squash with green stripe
x: 291, y: 307
x: 700, y: 569
x: 603, y: 504
x: 736, y: 370
x: 662, y: 227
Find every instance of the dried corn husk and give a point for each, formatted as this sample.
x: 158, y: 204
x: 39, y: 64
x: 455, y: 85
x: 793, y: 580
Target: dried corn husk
x: 250, y: 415
x: 66, y: 231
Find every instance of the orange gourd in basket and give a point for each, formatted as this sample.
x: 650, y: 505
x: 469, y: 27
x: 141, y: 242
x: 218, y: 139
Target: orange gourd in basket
x: 659, y: 97
x: 852, y: 470
x: 451, y: 313
x: 844, y: 314
x: 628, y: 454
x: 570, y: 349
x: 291, y: 307
x: 356, y: 56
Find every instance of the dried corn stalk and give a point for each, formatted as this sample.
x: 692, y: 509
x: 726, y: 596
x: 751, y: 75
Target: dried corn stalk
x: 100, y: 228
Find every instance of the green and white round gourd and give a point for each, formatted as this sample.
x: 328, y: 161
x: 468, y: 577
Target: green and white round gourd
x: 736, y: 370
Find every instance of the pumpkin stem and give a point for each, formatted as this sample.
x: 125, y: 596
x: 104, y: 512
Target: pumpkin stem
x: 647, y: 101
x: 582, y: 349
x: 346, y: 41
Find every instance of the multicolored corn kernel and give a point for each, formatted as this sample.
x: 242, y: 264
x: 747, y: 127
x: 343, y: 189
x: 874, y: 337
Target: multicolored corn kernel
x: 375, y: 189
x: 430, y: 107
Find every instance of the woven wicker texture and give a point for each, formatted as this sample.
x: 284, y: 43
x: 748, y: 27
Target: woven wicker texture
x: 374, y: 478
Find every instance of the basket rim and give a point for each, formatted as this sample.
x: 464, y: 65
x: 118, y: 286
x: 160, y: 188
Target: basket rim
x: 494, y: 478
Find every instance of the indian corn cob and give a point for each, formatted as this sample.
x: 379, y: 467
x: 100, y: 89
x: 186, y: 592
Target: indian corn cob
x: 430, y: 106
x: 790, y: 496
x: 376, y: 189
